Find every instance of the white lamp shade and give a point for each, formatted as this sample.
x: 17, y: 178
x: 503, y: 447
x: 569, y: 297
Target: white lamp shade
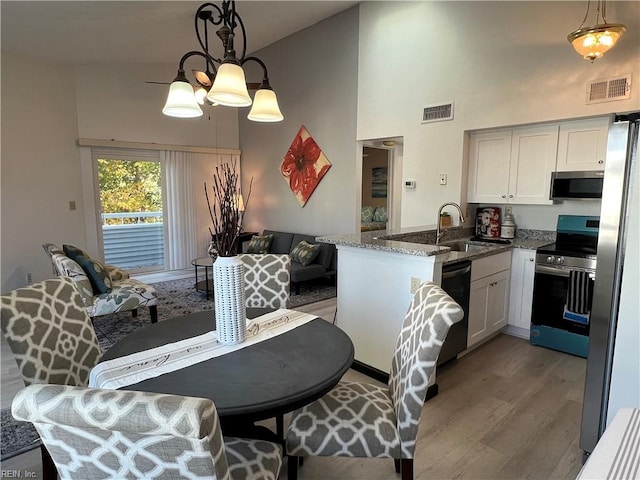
x: 265, y: 107
x: 181, y: 101
x: 230, y: 87
x: 200, y: 93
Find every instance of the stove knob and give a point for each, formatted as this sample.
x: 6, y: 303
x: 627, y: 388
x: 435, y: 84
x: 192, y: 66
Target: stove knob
x: 550, y: 259
x: 560, y: 260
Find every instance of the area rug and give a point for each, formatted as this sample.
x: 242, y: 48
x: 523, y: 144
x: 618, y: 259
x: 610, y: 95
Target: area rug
x: 176, y: 298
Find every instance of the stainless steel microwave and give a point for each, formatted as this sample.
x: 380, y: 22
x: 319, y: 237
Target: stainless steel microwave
x: 576, y: 185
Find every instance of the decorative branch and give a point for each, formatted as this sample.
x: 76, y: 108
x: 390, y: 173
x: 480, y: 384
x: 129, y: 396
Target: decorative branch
x: 224, y: 208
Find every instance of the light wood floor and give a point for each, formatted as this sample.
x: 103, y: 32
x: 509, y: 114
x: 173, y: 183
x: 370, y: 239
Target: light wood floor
x: 507, y: 410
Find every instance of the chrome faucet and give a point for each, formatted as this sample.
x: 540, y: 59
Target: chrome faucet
x: 439, y: 234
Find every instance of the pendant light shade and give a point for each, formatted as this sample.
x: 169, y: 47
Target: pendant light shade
x: 594, y: 42
x: 265, y: 107
x: 181, y: 101
x: 230, y: 87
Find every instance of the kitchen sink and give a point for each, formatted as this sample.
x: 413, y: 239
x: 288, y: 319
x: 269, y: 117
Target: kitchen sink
x: 461, y: 246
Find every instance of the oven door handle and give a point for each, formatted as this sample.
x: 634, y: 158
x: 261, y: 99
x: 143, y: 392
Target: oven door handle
x: 559, y: 271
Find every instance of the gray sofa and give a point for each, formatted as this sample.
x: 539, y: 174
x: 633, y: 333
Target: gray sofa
x: 324, y: 266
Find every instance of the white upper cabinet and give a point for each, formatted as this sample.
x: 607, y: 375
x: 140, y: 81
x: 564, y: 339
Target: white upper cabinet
x: 533, y: 159
x: 512, y: 166
x: 582, y: 145
x: 489, y: 158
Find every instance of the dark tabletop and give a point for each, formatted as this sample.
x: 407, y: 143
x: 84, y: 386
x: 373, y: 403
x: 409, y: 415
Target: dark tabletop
x: 256, y: 382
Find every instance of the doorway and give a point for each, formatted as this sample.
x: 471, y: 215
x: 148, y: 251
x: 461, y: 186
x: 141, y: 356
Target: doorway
x: 375, y: 189
x: 380, y: 185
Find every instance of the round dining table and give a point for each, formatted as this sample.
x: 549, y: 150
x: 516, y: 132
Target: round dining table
x: 260, y: 381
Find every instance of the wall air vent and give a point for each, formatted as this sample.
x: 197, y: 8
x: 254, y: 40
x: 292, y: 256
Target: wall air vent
x: 609, y: 89
x: 437, y: 113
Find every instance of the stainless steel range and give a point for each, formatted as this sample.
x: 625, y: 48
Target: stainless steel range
x: 563, y: 286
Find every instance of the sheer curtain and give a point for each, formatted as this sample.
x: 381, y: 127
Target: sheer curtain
x: 181, y: 245
x: 186, y: 216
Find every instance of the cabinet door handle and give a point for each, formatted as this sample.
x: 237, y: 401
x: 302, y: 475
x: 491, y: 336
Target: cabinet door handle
x: 600, y: 162
x: 504, y: 196
x: 510, y: 196
x: 531, y: 259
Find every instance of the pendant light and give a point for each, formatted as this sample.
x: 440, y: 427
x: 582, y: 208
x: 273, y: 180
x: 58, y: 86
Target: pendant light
x: 593, y: 42
x: 224, y: 81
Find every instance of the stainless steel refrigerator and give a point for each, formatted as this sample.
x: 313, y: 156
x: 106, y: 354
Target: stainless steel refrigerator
x: 613, y: 243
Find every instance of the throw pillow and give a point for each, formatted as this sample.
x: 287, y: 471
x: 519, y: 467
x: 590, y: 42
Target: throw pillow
x: 304, y: 253
x: 366, y: 214
x: 380, y: 215
x: 95, y: 270
x: 260, y: 243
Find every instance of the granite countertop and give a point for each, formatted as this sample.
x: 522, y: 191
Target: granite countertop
x: 421, y: 242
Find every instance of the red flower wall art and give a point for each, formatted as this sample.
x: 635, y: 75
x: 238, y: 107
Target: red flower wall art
x: 303, y: 166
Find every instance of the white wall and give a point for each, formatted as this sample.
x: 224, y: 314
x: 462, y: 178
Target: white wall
x: 114, y: 102
x: 40, y: 167
x: 314, y: 73
x: 502, y: 63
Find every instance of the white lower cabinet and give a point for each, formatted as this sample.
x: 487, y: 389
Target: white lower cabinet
x: 489, y: 296
x: 523, y: 266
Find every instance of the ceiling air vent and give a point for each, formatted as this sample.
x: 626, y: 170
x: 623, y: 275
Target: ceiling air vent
x: 609, y: 89
x: 437, y: 113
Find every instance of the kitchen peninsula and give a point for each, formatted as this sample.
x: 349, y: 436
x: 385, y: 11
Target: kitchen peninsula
x: 378, y: 271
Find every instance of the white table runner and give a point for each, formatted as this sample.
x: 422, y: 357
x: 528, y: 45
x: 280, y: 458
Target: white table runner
x: 134, y: 368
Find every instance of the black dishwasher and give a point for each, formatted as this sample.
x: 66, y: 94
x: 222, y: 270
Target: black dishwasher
x: 456, y: 281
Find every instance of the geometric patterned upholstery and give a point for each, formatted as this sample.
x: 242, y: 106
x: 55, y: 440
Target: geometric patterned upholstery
x: 122, y: 434
x: 50, y: 333
x: 361, y: 420
x: 126, y: 293
x: 266, y: 279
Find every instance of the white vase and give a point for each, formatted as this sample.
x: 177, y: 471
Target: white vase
x: 229, y: 299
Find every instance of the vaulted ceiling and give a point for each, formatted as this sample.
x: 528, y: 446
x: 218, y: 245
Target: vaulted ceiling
x: 90, y: 32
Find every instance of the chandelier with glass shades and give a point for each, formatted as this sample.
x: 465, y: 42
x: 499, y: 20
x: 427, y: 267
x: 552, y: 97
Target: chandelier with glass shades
x: 223, y: 80
x: 593, y: 42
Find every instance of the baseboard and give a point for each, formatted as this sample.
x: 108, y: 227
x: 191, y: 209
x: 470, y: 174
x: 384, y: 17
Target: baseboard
x: 516, y: 331
x: 370, y: 371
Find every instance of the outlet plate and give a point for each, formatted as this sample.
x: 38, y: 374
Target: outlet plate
x: 443, y: 179
x: 415, y: 284
x: 29, y: 279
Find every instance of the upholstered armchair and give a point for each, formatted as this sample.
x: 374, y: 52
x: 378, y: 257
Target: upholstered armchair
x: 363, y: 420
x: 123, y: 293
x: 96, y: 433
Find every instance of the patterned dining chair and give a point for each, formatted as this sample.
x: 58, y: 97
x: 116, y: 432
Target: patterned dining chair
x: 51, y: 337
x: 363, y: 420
x: 117, y: 434
x: 266, y: 279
